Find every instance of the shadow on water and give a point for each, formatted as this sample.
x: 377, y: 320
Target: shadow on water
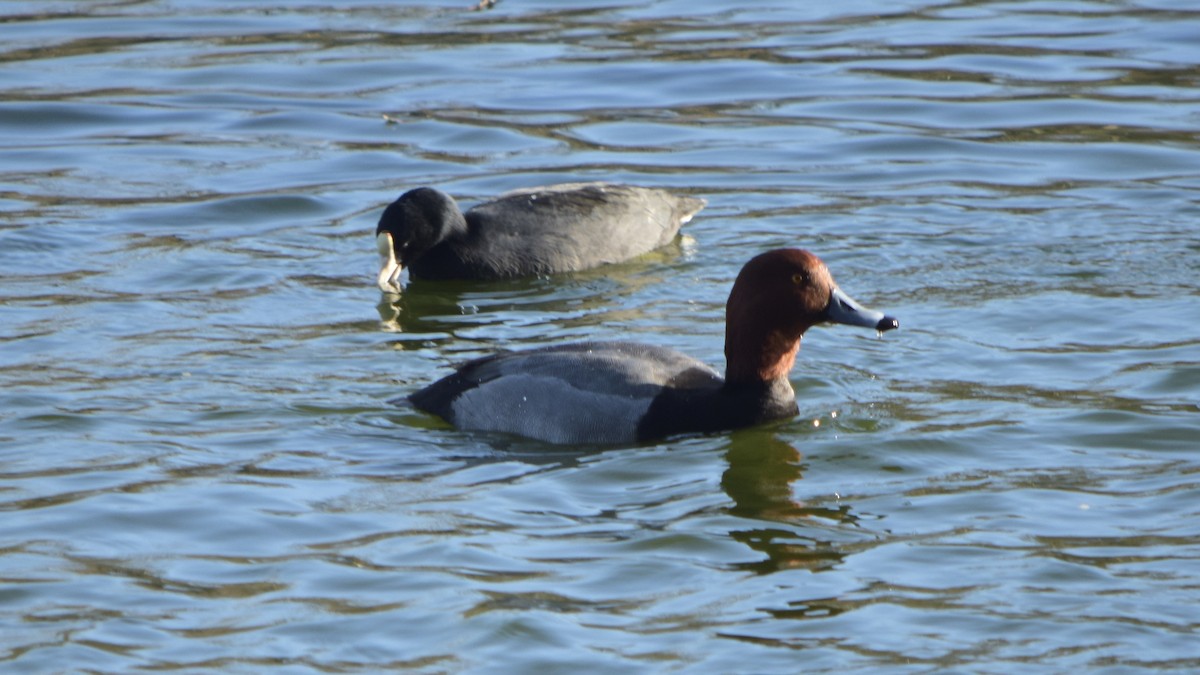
x: 762, y: 470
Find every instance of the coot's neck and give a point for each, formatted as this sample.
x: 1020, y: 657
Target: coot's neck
x: 454, y: 226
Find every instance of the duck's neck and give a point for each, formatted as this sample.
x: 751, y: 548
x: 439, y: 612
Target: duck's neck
x: 759, y: 356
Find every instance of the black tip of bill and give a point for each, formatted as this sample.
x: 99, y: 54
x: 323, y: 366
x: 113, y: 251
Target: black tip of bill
x: 887, y: 323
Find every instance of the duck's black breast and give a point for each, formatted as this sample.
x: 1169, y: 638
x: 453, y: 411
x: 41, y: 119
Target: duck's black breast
x: 703, y: 408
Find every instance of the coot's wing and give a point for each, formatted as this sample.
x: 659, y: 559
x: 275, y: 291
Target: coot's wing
x: 571, y: 227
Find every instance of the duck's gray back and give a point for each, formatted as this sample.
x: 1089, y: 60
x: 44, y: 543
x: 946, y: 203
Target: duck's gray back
x: 587, y: 392
x: 575, y: 226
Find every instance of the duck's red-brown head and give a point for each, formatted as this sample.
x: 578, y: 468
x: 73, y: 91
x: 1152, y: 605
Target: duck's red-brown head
x: 777, y: 296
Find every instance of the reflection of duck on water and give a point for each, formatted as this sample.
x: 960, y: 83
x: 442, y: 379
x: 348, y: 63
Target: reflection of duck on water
x: 762, y: 469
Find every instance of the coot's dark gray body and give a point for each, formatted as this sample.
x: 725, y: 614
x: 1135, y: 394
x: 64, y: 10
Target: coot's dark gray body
x: 538, y: 231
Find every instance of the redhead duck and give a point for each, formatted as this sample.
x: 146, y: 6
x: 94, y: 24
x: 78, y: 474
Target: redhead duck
x: 621, y: 392
x: 544, y: 230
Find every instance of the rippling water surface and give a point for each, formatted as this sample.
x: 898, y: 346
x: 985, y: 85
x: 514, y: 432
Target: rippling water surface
x: 199, y: 469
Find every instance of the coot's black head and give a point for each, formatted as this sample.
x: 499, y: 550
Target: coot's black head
x: 410, y: 226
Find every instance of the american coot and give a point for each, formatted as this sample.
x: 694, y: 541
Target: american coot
x: 619, y: 392
x: 545, y: 230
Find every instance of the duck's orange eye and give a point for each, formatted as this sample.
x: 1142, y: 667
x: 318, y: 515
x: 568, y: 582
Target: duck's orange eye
x: 800, y: 278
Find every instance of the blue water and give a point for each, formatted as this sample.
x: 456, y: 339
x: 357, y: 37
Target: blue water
x: 199, y: 469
